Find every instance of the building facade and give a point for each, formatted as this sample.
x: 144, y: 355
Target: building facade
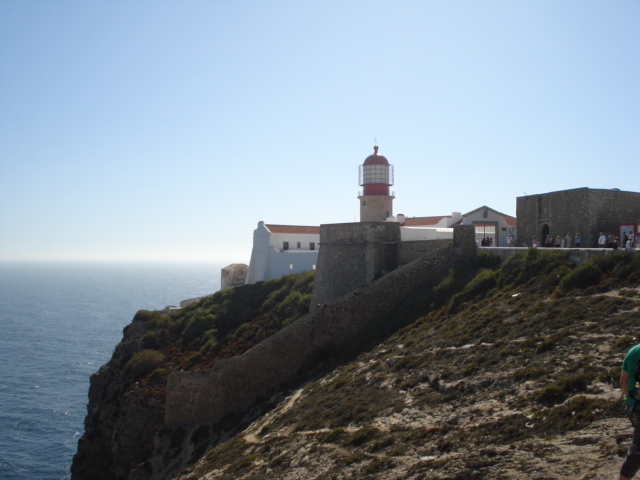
x: 489, y: 223
x: 282, y: 249
x: 587, y: 211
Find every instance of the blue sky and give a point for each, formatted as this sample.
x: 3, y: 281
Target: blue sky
x: 168, y: 130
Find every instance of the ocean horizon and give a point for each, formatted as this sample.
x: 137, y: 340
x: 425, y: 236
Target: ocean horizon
x: 61, y: 321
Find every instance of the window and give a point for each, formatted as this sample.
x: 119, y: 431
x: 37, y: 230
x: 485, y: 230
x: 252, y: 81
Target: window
x: 364, y: 203
x: 375, y: 174
x: 298, y: 244
x: 285, y: 245
x: 312, y: 246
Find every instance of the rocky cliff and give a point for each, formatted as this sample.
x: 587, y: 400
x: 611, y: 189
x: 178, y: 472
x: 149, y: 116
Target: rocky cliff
x: 505, y: 372
x: 125, y: 413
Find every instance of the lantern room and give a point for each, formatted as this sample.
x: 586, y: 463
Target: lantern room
x: 376, y: 175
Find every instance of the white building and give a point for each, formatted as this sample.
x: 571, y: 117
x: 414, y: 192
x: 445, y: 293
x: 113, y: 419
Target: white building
x: 493, y: 224
x: 488, y: 222
x: 282, y: 249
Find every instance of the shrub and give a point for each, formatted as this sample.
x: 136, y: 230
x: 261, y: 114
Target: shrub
x: 331, y: 436
x: 521, y: 267
x: 150, y: 339
x: 160, y: 321
x: 142, y: 316
x: 530, y: 373
x: 586, y: 275
x: 143, y: 362
x: 159, y: 374
x: 354, y: 457
x: 363, y: 435
x: 155, y: 318
x: 548, y: 344
x: 484, y: 281
x: 624, y: 343
x: 559, y: 390
x: 198, y: 326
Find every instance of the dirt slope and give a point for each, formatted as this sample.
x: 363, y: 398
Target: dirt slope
x: 511, y: 376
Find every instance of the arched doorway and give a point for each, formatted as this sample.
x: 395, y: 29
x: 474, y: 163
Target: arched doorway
x: 544, y: 234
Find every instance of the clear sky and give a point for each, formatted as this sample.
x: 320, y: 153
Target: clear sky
x: 157, y: 130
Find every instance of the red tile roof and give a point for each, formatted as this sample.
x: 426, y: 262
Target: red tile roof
x: 293, y: 229
x: 511, y: 221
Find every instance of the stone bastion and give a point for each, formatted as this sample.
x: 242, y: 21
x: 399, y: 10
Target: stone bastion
x: 235, y: 384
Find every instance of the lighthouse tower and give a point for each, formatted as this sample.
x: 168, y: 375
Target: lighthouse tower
x: 376, y: 176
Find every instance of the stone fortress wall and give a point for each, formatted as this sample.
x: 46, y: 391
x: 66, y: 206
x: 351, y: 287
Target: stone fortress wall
x: 408, y: 251
x: 354, y: 255
x: 237, y: 383
x: 576, y: 255
x: 588, y: 211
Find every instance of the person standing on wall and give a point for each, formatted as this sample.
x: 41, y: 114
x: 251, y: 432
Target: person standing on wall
x: 577, y: 240
x: 630, y: 391
x: 602, y: 240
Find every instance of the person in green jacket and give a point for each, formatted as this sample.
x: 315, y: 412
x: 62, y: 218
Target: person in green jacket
x: 631, y: 462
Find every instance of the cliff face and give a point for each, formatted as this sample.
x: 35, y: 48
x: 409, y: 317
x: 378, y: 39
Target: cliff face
x: 120, y: 425
x: 506, y: 372
x: 124, y: 436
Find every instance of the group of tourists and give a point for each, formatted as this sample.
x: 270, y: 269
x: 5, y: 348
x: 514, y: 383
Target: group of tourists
x: 629, y: 241
x: 486, y: 242
x: 611, y: 241
x: 558, y: 241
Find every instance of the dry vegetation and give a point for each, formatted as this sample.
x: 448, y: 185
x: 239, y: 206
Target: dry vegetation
x: 222, y: 325
x: 508, y: 372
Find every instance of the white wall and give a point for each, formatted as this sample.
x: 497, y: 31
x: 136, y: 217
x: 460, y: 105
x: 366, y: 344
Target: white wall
x: 276, y: 240
x: 269, y: 260
x: 259, y: 254
x: 290, y: 261
x: 425, y: 233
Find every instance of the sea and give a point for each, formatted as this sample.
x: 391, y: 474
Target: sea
x: 59, y: 322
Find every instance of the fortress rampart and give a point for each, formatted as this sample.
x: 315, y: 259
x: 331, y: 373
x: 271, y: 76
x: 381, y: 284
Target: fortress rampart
x: 576, y: 255
x: 354, y: 255
x: 408, y: 251
x: 234, y: 384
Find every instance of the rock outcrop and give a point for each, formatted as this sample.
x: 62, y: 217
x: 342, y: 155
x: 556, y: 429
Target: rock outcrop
x: 120, y: 423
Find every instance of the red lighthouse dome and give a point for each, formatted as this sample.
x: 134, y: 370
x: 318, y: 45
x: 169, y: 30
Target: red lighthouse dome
x: 376, y: 174
x: 376, y: 158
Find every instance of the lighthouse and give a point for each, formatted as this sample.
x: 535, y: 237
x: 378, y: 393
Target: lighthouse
x: 376, y: 176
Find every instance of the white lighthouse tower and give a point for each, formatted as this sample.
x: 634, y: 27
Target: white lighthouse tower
x: 376, y: 176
